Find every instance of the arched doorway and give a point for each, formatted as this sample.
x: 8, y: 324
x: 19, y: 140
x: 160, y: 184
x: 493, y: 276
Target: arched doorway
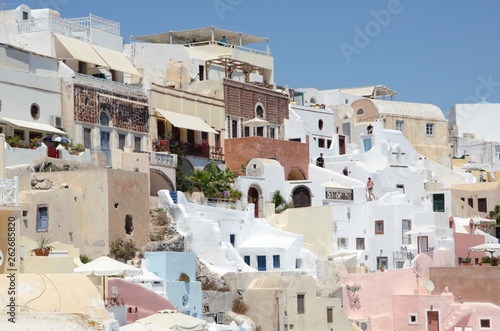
x: 301, y: 196
x: 159, y: 181
x: 254, y: 197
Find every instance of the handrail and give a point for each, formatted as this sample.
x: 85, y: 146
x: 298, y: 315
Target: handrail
x: 107, y: 84
x: 76, y: 27
x: 228, y: 45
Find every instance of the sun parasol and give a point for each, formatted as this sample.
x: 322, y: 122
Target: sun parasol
x: 138, y: 326
x: 256, y: 122
x: 106, y: 266
x: 490, y: 247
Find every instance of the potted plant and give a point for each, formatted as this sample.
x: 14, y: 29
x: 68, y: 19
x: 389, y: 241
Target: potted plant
x: 486, y: 261
x: 466, y: 261
x: 43, y: 249
x: 495, y: 261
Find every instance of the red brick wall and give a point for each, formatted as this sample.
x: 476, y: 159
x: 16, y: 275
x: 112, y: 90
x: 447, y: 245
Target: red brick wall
x: 290, y: 154
x: 241, y: 99
x: 125, y: 115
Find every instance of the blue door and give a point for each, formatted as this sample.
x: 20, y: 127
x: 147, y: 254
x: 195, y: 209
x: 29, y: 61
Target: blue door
x: 367, y: 144
x: 261, y: 263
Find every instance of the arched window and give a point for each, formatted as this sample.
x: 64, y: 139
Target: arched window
x: 360, y: 111
x: 104, y: 119
x: 35, y: 111
x: 320, y: 125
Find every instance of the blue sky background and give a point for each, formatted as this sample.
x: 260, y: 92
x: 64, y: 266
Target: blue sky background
x: 438, y: 52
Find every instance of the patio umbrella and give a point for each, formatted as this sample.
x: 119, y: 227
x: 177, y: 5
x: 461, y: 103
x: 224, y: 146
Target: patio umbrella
x: 56, y: 138
x: 138, y: 326
x: 256, y: 122
x: 421, y: 229
x: 106, y: 266
x: 486, y: 247
x: 175, y: 320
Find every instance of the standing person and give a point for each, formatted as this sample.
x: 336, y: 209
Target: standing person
x: 369, y: 128
x: 346, y: 171
x: 320, y: 161
x: 223, y: 41
x: 369, y: 187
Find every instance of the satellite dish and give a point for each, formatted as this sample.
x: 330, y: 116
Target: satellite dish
x: 429, y: 285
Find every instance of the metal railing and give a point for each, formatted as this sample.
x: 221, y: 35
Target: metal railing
x: 107, y: 84
x: 334, y: 193
x: 76, y: 27
x: 227, y: 45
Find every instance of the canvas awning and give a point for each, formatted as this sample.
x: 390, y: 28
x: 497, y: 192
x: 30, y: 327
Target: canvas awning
x: 116, y: 60
x: 32, y: 125
x: 185, y: 121
x: 202, y: 34
x: 71, y: 48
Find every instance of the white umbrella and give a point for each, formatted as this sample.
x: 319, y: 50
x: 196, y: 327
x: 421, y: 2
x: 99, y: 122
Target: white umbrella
x: 138, y: 326
x: 175, y: 320
x: 486, y: 247
x: 421, y: 229
x: 256, y: 122
x: 106, y: 266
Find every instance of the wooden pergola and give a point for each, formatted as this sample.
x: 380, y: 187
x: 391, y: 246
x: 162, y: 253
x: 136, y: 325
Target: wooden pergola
x: 231, y: 65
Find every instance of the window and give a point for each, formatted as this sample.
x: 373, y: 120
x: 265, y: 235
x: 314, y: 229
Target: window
x: 360, y: 111
x: 321, y: 143
x: 247, y: 131
x: 406, y: 226
x: 260, y: 131
x: 481, y: 205
x: 121, y: 141
x: 259, y: 111
x: 25, y: 15
x: 429, y: 129
x: 360, y: 244
x: 301, y: 309
x: 232, y: 239
x: 412, y: 319
x: 137, y: 143
x: 129, y: 224
x: 87, y: 140
x: 401, y: 187
x: 320, y: 125
x: 382, y: 262
x: 261, y: 263
x: 246, y: 258
x: 470, y: 201
x: 438, y: 202
x: 276, y: 261
x: 329, y: 315
x: 399, y: 125
x: 201, y: 72
x: 298, y: 263
x: 379, y: 227
x: 35, y: 111
x: 272, y: 133
x: 484, y: 323
x: 19, y: 133
x: 42, y: 219
x: 104, y: 119
x: 234, y: 129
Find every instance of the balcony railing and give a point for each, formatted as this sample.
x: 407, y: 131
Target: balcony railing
x: 189, y: 149
x: 107, y: 84
x: 163, y: 159
x: 9, y: 191
x: 335, y: 193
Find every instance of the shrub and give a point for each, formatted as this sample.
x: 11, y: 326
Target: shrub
x: 239, y: 306
x: 85, y: 259
x: 122, y: 250
x: 162, y: 218
x: 486, y: 259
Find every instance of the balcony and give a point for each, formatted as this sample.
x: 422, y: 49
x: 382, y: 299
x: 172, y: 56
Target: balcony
x: 189, y: 149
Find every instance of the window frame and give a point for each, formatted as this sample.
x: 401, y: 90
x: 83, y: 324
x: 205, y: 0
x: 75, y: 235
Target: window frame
x: 360, y: 242
x: 39, y: 223
x: 301, y: 303
x: 276, y: 262
x: 329, y: 314
x: 429, y: 129
x: 482, y: 205
x: 377, y: 227
x: 438, y: 205
x: 400, y: 125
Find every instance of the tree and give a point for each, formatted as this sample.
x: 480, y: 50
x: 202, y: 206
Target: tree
x: 213, y: 182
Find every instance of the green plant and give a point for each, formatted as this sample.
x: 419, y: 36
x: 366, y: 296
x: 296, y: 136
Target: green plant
x: 494, y: 261
x: 466, y: 259
x: 35, y: 142
x: 280, y: 203
x: 85, y: 259
x: 486, y: 259
x: 43, y: 245
x: 122, y: 250
x: 15, y: 141
x: 162, y: 218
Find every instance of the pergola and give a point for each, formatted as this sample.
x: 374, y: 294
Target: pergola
x: 231, y: 65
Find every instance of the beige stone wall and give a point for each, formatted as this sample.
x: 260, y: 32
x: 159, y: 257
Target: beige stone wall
x: 81, y: 207
x: 488, y: 190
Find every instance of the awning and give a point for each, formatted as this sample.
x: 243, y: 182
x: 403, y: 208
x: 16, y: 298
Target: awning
x: 76, y: 49
x: 32, y: 125
x: 116, y: 60
x: 186, y: 121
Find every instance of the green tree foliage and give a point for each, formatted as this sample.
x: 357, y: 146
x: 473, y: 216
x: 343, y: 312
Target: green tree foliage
x: 213, y: 182
x: 122, y: 250
x: 495, y: 214
x: 280, y: 203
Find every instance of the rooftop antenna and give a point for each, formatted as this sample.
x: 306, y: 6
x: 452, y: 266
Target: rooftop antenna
x: 3, y: 4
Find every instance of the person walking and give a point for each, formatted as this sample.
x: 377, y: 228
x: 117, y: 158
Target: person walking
x: 346, y: 171
x: 369, y: 188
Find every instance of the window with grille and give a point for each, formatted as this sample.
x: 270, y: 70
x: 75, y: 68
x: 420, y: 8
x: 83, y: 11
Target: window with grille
x: 481, y: 205
x: 438, y: 202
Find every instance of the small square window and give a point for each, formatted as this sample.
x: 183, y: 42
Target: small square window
x: 399, y: 125
x: 485, y: 323
x: 379, y: 227
x: 412, y: 319
x: 429, y: 129
x: 360, y: 244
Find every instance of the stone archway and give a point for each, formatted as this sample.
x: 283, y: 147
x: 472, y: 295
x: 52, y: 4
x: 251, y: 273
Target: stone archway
x: 255, y: 196
x: 301, y: 196
x: 159, y: 181
x: 296, y: 174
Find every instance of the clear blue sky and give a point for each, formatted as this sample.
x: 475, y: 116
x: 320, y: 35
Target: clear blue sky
x: 439, y: 52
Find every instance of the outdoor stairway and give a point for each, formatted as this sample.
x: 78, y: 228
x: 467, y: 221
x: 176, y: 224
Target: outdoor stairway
x: 173, y: 195
x: 457, y: 316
